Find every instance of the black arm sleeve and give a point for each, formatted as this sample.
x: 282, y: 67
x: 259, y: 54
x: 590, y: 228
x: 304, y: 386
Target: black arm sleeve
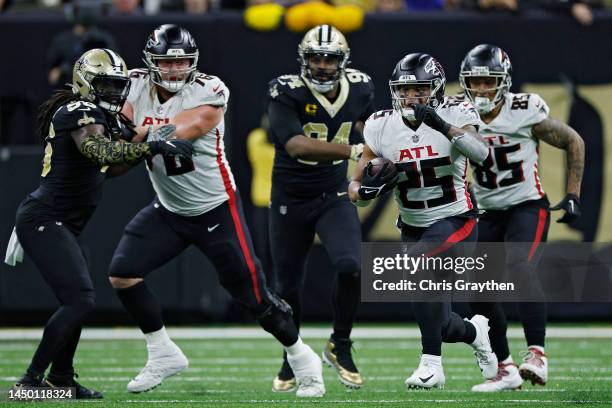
x: 284, y: 122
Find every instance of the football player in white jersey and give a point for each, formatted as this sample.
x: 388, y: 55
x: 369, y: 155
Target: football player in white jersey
x: 196, y: 203
x: 429, y: 138
x: 508, y: 189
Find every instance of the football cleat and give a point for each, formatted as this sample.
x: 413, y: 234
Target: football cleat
x: 29, y: 381
x: 163, y: 362
x: 507, y: 379
x: 285, y: 380
x: 534, y: 367
x: 308, y: 371
x: 429, y: 374
x: 337, y: 354
x: 487, y: 360
x: 80, y: 391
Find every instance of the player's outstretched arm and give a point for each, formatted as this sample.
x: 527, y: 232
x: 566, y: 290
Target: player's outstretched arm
x: 93, y: 144
x: 193, y: 123
x: 558, y: 134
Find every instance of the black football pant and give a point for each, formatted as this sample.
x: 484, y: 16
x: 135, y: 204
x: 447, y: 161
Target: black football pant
x: 293, y: 225
x: 527, y: 222
x: 156, y: 235
x: 56, y: 253
x: 437, y: 322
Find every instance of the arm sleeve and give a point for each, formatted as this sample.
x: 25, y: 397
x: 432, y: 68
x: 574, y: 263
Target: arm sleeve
x: 538, y: 110
x: 284, y: 121
x: 103, y: 151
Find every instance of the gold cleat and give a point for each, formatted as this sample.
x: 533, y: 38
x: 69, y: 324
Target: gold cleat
x: 337, y: 354
x: 279, y: 385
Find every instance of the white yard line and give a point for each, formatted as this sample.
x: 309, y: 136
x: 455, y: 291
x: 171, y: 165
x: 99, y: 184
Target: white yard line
x: 313, y: 333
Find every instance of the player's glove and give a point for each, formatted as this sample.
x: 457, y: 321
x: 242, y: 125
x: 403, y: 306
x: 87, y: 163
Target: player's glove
x: 374, y: 186
x: 356, y: 151
x: 173, y: 147
x: 429, y: 116
x: 571, y: 205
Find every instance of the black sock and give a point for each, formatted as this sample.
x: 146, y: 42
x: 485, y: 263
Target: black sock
x: 429, y: 316
x: 294, y: 299
x: 345, y: 301
x: 64, y: 322
x: 498, y: 326
x: 143, y: 306
x: 533, y: 317
x: 62, y: 366
x: 457, y: 330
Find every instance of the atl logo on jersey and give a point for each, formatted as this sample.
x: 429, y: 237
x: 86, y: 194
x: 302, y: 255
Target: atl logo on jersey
x: 418, y: 152
x: 155, y: 121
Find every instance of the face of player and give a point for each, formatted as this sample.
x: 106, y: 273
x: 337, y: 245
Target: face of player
x: 483, y: 87
x: 174, y: 69
x: 412, y: 94
x: 323, y: 68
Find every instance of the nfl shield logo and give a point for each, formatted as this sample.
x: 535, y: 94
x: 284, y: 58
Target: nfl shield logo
x: 415, y: 138
x: 283, y: 209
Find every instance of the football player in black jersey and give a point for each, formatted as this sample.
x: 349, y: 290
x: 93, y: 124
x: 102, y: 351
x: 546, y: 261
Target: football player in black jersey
x: 315, y: 123
x: 82, y: 131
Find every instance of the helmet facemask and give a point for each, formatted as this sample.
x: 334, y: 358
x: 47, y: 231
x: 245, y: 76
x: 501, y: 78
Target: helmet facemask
x: 405, y: 104
x: 323, y: 80
x: 484, y: 104
x: 172, y: 80
x: 110, y: 92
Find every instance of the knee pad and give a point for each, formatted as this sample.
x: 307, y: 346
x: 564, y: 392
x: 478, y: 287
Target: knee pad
x: 276, y: 315
x: 348, y: 267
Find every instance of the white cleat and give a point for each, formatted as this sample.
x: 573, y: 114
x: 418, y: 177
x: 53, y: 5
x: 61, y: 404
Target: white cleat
x: 429, y: 374
x: 163, y: 362
x: 308, y: 371
x: 507, y: 379
x: 534, y: 367
x: 487, y: 360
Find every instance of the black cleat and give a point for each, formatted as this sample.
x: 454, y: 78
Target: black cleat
x: 80, y: 391
x: 29, y: 381
x: 285, y: 380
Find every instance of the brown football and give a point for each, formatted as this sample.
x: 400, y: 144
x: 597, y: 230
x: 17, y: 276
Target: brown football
x: 377, y: 165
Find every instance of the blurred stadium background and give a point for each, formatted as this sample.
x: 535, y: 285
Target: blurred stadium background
x: 558, y: 50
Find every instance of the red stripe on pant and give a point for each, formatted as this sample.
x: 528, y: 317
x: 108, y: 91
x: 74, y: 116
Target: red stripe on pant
x: 236, y: 218
x: 542, y: 214
x: 455, y: 237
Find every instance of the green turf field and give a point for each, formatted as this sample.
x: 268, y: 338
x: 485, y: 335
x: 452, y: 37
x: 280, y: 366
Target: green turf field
x: 238, y: 372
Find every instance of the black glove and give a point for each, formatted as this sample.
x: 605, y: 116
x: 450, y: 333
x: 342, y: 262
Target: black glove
x: 571, y: 205
x: 373, y: 186
x: 429, y: 116
x: 172, y: 147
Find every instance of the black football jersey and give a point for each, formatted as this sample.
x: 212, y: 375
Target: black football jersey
x: 294, y: 108
x: 70, y: 183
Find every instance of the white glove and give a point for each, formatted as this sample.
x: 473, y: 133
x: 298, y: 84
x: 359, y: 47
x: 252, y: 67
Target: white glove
x: 356, y: 151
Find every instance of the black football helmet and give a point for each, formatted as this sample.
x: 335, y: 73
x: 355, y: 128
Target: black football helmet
x: 166, y: 42
x: 417, y: 69
x: 486, y: 60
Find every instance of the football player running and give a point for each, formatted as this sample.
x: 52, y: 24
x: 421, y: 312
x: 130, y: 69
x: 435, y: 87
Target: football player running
x: 430, y: 138
x: 82, y: 132
x: 316, y: 120
x: 508, y: 189
x: 196, y: 204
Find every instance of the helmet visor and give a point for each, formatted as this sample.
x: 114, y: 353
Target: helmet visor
x: 112, y: 90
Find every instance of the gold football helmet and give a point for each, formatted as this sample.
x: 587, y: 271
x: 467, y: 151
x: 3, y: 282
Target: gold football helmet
x: 323, y: 41
x: 101, y: 76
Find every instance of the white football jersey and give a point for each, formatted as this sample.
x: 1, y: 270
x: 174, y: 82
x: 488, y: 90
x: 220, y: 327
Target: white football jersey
x: 182, y: 188
x: 509, y: 175
x: 432, y: 172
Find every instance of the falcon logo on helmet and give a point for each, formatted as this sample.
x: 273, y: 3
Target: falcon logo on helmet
x: 486, y: 61
x: 323, y: 41
x: 101, y: 76
x: 167, y: 42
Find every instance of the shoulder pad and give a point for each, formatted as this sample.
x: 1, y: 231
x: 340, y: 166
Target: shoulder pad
x: 78, y: 114
x: 205, y: 90
x: 287, y: 85
x: 529, y: 108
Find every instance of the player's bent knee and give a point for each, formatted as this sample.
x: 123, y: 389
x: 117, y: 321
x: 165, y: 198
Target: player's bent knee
x: 123, y: 283
x: 348, y: 267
